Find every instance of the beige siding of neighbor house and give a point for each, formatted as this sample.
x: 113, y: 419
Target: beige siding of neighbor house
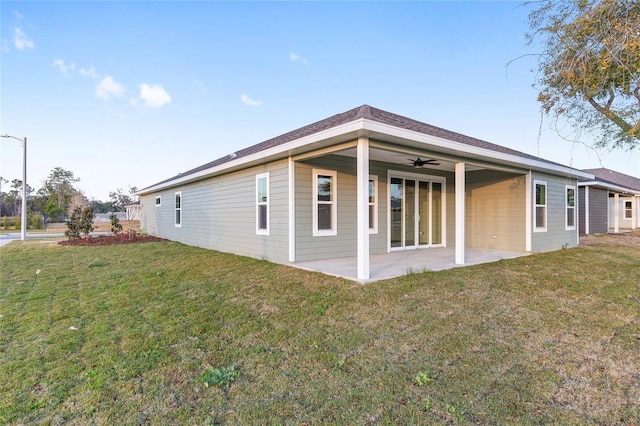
x: 220, y: 214
x: 556, y: 236
x: 495, y: 211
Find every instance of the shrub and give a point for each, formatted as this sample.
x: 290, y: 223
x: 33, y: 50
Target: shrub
x: 5, y: 222
x: 36, y: 221
x: 81, y: 221
x: 17, y: 223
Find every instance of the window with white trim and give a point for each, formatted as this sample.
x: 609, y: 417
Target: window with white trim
x: 158, y: 201
x: 178, y: 216
x: 570, y: 207
x: 540, y: 216
x: 373, y: 204
x: 628, y: 210
x: 325, y: 203
x: 262, y: 204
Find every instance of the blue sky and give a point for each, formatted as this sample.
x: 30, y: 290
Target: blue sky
x: 130, y: 93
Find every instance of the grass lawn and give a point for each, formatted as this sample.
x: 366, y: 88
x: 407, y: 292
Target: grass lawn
x: 162, y: 333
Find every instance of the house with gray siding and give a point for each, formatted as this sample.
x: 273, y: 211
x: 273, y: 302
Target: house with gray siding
x: 609, y: 203
x: 365, y: 183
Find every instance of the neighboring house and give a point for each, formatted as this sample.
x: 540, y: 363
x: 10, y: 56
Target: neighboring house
x: 133, y: 211
x: 367, y: 182
x: 608, y: 203
x: 106, y: 217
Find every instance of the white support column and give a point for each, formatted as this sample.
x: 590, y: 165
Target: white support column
x: 616, y: 212
x: 634, y: 212
x: 528, y: 212
x: 460, y: 212
x: 587, y: 231
x: 292, y: 210
x: 363, y: 207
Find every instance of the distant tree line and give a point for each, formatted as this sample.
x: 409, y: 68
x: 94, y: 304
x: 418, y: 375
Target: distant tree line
x: 58, y: 198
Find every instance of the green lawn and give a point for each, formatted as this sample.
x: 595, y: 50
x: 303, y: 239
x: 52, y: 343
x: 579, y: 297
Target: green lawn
x: 130, y: 334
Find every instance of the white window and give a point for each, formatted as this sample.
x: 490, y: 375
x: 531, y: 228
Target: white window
x: 158, y: 201
x: 570, y: 207
x: 373, y: 204
x: 179, y: 209
x: 540, y: 206
x: 628, y: 210
x: 325, y: 203
x: 262, y: 204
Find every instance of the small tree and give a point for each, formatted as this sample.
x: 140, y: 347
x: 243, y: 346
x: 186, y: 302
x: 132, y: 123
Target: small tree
x: 116, y: 226
x: 74, y: 224
x: 86, y: 220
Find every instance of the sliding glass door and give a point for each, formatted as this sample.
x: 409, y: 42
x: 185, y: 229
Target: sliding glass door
x: 416, y: 211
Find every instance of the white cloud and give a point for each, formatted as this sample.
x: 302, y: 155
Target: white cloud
x: 109, y: 88
x: 89, y: 72
x: 154, y: 96
x: 248, y: 101
x: 294, y: 57
x: 64, y: 69
x: 21, y: 41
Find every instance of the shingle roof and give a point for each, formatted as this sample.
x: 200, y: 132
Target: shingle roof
x: 361, y: 112
x: 617, y: 178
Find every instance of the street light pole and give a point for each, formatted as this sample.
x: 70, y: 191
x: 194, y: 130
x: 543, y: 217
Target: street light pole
x: 23, y: 221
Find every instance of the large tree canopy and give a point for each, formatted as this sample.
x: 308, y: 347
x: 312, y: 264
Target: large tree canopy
x: 589, y: 69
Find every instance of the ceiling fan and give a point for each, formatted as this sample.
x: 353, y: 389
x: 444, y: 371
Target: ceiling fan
x: 419, y: 163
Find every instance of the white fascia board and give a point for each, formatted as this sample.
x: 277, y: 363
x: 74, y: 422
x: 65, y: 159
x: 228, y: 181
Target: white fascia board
x: 282, y: 150
x: 610, y: 186
x: 375, y: 126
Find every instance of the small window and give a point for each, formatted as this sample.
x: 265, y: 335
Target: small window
x: 628, y: 210
x: 158, y: 201
x: 570, y: 207
x: 179, y: 209
x: 540, y: 206
x: 373, y: 204
x: 262, y: 204
x: 325, y: 203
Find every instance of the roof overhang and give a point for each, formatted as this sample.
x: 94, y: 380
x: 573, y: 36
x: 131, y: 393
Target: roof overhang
x: 373, y: 129
x: 610, y: 186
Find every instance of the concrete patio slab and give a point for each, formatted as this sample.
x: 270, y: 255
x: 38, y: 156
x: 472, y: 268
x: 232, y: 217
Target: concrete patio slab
x: 399, y: 263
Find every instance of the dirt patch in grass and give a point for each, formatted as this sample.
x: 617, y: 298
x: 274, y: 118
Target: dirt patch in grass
x: 624, y: 239
x: 110, y: 240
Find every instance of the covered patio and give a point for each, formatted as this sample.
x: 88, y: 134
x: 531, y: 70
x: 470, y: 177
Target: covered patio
x: 399, y: 263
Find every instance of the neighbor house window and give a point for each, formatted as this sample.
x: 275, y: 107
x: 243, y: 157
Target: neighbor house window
x: 262, y: 204
x: 373, y: 204
x: 158, y: 201
x: 325, y: 203
x: 570, y: 207
x: 541, y: 205
x: 179, y: 208
x: 628, y: 210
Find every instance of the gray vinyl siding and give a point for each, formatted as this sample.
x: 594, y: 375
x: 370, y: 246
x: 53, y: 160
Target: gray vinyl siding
x: 597, y: 210
x: 556, y: 236
x: 495, y: 211
x: 220, y: 214
x: 344, y: 244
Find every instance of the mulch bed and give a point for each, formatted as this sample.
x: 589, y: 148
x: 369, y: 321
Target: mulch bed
x: 110, y: 240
